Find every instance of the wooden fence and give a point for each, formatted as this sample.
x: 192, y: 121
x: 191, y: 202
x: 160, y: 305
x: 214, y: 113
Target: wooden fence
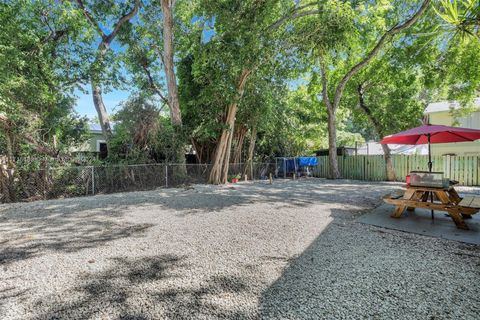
x: 464, y: 169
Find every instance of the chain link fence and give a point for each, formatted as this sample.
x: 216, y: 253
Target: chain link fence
x: 66, y: 182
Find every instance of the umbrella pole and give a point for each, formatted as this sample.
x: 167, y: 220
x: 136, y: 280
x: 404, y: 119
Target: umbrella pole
x: 430, y: 169
x: 429, y: 154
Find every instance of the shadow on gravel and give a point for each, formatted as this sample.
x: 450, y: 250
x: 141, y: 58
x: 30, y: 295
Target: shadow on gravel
x: 30, y: 229
x: 46, y: 226
x: 143, y: 288
x: 374, y: 273
x: 300, y: 193
x: 11, y: 292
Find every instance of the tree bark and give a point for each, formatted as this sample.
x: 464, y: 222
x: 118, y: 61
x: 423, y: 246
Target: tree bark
x: 221, y: 157
x: 9, y: 142
x: 387, y: 155
x: 226, y: 161
x: 102, y: 112
x: 334, y: 173
x: 251, y: 149
x: 168, y: 52
x: 169, y: 67
x: 237, y: 155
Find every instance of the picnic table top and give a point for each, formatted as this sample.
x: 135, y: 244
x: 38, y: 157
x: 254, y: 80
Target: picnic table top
x: 470, y: 201
x: 425, y: 188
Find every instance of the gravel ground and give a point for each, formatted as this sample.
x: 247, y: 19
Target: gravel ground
x: 290, y: 250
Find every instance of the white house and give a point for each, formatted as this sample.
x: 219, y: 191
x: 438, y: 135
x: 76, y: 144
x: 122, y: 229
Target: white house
x: 440, y: 113
x: 95, y: 144
x: 375, y: 148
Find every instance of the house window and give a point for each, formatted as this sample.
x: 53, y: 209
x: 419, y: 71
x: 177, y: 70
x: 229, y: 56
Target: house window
x: 102, y: 149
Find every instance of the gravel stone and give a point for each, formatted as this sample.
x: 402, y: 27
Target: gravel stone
x: 291, y: 250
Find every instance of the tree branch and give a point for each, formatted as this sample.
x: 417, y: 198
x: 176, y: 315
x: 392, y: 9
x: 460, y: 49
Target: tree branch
x: 386, y: 36
x: 125, y: 18
x: 152, y: 83
x: 296, y: 12
x: 366, y: 109
x: 91, y: 20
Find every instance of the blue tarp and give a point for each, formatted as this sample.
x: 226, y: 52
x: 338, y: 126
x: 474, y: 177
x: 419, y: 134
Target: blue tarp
x: 307, y: 161
x: 290, y: 165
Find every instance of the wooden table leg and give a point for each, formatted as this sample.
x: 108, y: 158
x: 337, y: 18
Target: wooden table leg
x: 416, y: 196
x: 453, y: 195
x: 457, y: 218
x: 454, y: 213
x: 443, y: 197
x: 397, y: 213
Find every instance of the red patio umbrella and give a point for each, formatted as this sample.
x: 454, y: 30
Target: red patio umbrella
x: 429, y: 133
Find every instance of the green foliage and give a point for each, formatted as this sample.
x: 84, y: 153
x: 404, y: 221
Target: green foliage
x: 143, y: 134
x: 393, y: 95
x: 35, y: 90
x: 48, y: 49
x: 463, y: 16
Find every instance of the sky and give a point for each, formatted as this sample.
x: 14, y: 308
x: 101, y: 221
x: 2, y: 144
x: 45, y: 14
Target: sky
x: 85, y: 107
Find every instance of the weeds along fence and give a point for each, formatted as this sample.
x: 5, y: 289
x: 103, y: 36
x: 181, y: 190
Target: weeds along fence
x: 464, y: 169
x: 65, y: 182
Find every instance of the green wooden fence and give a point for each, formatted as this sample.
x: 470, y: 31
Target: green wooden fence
x: 465, y: 169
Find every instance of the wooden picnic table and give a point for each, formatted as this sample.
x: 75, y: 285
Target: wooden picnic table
x: 444, y: 199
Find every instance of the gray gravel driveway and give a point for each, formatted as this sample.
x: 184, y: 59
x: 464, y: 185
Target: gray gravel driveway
x: 291, y: 250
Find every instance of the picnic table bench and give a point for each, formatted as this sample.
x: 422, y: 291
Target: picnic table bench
x: 444, y: 199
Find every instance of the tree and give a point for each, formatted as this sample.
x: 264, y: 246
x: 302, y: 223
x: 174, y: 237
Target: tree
x: 168, y: 49
x: 241, y: 44
x: 36, y: 104
x: 332, y: 100
x: 106, y: 11
x: 389, y: 98
x: 150, y: 59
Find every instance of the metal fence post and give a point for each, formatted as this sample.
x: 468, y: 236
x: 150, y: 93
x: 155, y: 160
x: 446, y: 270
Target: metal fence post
x: 93, y: 180
x: 166, y: 176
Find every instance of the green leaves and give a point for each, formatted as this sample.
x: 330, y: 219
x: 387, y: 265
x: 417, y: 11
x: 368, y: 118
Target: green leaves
x: 462, y: 15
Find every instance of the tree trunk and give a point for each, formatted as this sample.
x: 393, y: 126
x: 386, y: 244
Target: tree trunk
x: 388, y: 161
x: 332, y: 106
x: 168, y: 52
x: 378, y: 128
x: 221, y: 157
x: 7, y: 181
x: 217, y: 175
x: 173, y: 99
x: 251, y: 149
x: 331, y: 124
x: 226, y: 161
x: 332, y: 144
x: 102, y: 113
x: 9, y: 142
x: 237, y: 155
